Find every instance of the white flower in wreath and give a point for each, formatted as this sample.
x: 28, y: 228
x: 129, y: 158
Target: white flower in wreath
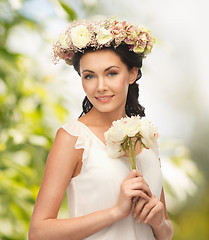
x: 104, y: 36
x: 80, y: 36
x: 63, y: 41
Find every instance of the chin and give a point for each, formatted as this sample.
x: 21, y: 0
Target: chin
x: 107, y: 109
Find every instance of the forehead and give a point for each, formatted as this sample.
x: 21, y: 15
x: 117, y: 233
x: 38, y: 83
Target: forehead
x: 100, y: 59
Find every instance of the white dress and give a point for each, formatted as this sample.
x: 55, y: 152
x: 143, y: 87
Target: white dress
x: 97, y: 186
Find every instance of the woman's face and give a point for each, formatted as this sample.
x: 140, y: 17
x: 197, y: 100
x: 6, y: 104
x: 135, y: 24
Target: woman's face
x: 105, y: 80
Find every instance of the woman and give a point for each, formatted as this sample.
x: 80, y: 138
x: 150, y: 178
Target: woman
x: 106, y: 199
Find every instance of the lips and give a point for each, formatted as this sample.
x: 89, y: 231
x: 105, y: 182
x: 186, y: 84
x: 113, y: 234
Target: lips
x: 105, y: 98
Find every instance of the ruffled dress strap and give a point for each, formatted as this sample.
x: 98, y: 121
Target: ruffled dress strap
x: 83, y: 137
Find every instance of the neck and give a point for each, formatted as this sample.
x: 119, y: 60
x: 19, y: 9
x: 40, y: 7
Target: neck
x: 106, y: 118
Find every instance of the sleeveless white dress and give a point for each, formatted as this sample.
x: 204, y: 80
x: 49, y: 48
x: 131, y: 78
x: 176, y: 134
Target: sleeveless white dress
x: 97, y: 186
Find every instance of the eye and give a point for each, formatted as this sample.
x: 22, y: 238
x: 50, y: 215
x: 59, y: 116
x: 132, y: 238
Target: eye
x: 112, y: 74
x: 89, y: 76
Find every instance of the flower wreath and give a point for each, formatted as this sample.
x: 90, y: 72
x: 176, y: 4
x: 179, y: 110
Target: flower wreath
x: 98, y: 34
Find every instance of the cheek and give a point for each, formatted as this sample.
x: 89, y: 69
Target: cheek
x: 122, y: 85
x: 88, y: 88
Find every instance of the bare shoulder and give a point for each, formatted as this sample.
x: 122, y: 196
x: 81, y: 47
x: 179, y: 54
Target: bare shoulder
x: 64, y: 145
x: 63, y: 137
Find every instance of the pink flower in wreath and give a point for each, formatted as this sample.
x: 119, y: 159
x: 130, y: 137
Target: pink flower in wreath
x: 118, y: 32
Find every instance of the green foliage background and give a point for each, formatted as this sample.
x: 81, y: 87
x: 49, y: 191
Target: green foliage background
x: 26, y: 135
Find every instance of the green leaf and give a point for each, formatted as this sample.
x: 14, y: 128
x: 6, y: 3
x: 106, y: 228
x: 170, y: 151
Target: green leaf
x: 71, y: 13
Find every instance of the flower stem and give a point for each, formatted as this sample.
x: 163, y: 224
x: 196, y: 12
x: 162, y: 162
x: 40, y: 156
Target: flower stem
x: 134, y: 151
x: 134, y: 157
x: 130, y: 159
x: 133, y: 154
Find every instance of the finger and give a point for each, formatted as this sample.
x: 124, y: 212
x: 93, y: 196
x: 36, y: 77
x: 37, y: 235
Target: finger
x: 146, y: 210
x: 139, y: 193
x: 139, y: 206
x: 143, y: 187
x: 134, y: 173
x: 140, y: 179
x: 137, y: 179
x: 155, y: 211
x: 134, y: 199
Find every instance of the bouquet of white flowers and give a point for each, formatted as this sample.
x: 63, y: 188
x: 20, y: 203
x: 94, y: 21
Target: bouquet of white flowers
x: 123, y: 135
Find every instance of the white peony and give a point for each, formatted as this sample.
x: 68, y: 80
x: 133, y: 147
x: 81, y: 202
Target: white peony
x: 116, y: 133
x: 104, y: 36
x: 114, y: 149
x: 148, y: 132
x: 80, y: 36
x: 132, y: 126
x: 129, y: 128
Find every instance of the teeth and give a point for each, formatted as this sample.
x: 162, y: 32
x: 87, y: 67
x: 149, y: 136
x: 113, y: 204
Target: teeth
x: 102, y: 98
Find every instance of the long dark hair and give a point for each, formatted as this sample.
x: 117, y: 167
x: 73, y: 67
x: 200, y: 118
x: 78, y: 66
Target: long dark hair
x: 131, y: 59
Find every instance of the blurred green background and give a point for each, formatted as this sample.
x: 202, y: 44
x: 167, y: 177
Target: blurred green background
x: 37, y: 97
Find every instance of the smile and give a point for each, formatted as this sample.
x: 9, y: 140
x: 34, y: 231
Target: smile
x: 104, y: 98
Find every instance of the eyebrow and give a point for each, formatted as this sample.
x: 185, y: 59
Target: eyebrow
x: 105, y: 69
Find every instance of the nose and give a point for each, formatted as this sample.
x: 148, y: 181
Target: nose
x: 102, y: 85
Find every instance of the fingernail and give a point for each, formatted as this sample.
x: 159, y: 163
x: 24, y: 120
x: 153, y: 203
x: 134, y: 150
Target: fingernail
x: 134, y: 215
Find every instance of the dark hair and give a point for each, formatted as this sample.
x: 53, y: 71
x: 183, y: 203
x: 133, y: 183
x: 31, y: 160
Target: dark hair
x: 131, y: 59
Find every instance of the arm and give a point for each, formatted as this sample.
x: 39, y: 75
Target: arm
x: 155, y: 214
x: 61, y: 163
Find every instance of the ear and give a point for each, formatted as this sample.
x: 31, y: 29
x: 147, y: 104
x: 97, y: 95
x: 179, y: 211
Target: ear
x: 133, y: 75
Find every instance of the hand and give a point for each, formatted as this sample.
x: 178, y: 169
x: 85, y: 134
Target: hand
x: 131, y: 188
x: 152, y: 211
